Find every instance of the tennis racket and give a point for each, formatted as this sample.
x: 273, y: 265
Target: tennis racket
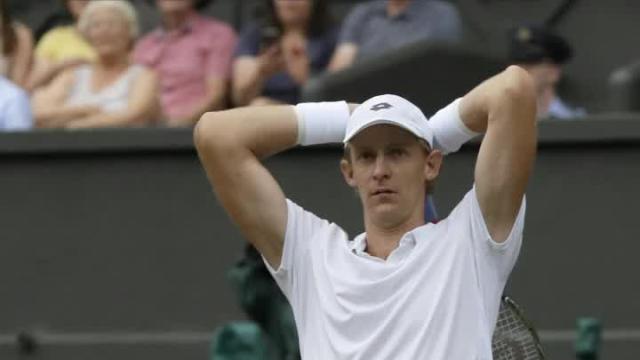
x: 514, y: 337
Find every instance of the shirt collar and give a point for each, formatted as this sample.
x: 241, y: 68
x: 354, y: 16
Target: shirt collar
x: 381, y: 8
x: 187, y: 27
x: 358, y: 246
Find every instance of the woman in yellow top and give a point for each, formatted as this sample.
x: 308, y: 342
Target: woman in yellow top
x: 16, y: 48
x: 109, y: 92
x: 61, y: 48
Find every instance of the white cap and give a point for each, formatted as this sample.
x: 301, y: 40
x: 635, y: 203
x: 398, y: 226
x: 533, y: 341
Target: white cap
x: 392, y: 110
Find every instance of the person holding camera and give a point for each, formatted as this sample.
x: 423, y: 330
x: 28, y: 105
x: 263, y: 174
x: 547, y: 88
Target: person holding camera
x: 291, y: 41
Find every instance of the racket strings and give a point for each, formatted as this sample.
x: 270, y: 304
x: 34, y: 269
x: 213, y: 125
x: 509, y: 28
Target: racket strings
x: 512, y: 338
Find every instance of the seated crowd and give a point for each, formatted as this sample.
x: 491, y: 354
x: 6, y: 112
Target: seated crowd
x: 96, y: 72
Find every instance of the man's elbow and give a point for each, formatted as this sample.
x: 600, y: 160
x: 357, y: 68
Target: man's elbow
x: 203, y: 130
x: 519, y: 85
x: 209, y: 131
x: 517, y: 91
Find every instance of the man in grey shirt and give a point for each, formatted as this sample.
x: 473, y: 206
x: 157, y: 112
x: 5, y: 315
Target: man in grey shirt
x: 375, y: 27
x: 543, y: 53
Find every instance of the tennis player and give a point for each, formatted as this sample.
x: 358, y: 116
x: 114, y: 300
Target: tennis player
x: 402, y: 289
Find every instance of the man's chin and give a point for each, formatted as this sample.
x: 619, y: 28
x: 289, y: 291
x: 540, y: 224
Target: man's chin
x: 382, y: 205
x: 384, y: 212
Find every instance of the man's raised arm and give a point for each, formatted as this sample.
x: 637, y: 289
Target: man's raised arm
x: 504, y: 107
x: 230, y: 144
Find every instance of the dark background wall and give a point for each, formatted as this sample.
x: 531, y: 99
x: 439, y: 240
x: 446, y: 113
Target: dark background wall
x: 113, y: 246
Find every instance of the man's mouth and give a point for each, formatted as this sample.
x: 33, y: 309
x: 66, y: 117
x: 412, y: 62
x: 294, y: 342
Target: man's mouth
x: 382, y: 191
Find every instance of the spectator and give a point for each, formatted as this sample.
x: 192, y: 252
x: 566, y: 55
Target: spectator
x: 16, y: 48
x: 192, y: 55
x: 15, y: 113
x: 276, y: 55
x: 61, y: 48
x: 375, y: 27
x: 543, y: 54
x: 110, y: 92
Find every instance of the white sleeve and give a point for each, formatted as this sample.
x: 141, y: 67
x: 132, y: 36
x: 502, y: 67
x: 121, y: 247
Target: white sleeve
x: 500, y: 256
x: 302, y: 225
x: 494, y: 260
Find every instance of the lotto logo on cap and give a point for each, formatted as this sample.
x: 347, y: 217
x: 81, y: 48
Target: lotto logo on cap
x: 391, y: 110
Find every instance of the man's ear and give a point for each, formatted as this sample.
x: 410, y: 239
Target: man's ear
x: 432, y: 165
x: 347, y: 172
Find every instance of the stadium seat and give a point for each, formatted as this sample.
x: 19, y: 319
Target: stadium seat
x: 415, y: 72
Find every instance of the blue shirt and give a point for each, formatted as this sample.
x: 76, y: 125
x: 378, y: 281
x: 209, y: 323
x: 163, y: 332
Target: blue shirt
x: 559, y: 110
x: 370, y: 27
x: 15, y: 110
x: 430, y: 213
x: 281, y: 86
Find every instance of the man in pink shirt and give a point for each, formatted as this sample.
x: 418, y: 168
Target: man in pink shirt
x: 192, y: 55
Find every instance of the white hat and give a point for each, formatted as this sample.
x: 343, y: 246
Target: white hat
x: 389, y: 109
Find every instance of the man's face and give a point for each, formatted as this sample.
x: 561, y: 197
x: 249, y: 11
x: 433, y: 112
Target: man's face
x: 293, y: 12
x: 171, y: 6
x: 545, y: 76
x: 390, y: 168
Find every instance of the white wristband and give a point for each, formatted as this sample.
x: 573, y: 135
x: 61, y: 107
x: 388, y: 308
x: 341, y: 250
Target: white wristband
x: 321, y: 123
x: 449, y: 131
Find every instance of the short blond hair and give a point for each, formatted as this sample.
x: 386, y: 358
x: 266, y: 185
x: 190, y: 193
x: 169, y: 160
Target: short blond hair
x: 127, y: 11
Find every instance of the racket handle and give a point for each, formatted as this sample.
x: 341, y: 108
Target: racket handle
x: 587, y: 344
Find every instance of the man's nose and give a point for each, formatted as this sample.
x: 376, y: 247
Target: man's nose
x: 381, y: 167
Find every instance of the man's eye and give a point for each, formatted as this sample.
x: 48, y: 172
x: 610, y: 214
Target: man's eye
x: 397, y: 152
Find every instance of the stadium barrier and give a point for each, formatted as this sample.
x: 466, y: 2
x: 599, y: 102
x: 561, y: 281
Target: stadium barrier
x: 113, y: 245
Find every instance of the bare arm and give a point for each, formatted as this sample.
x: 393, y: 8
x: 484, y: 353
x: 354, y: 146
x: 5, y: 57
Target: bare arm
x: 247, y: 80
x: 251, y: 72
x: 297, y: 62
x: 216, y: 95
x: 44, y: 71
x: 142, y: 106
x: 505, y: 107
x: 22, y: 57
x: 344, y: 55
x: 230, y: 144
x: 48, y: 103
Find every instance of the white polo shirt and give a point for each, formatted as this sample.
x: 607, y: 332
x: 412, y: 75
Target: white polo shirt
x: 436, y: 296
